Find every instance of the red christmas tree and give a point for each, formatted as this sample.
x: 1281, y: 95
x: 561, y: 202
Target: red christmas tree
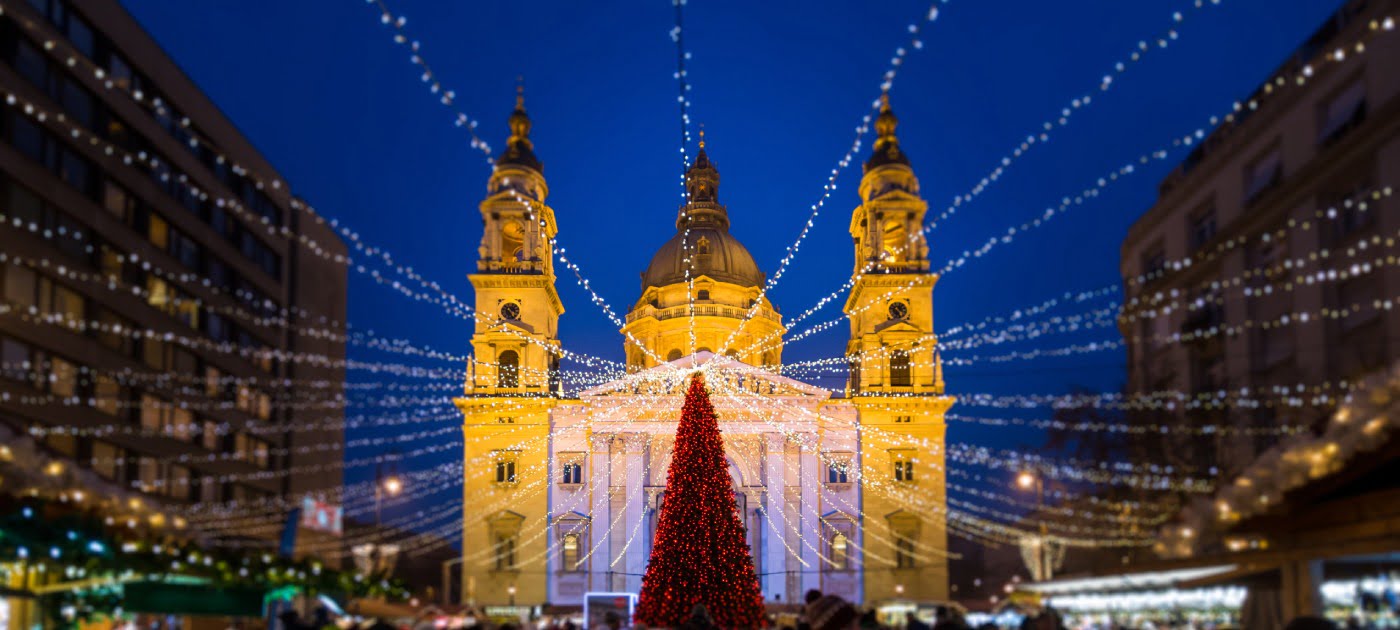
x: 700, y: 556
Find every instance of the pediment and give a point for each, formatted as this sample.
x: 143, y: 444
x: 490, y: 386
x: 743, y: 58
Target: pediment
x: 897, y: 326
x: 674, y: 377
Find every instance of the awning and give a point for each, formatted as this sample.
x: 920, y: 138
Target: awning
x: 1128, y: 581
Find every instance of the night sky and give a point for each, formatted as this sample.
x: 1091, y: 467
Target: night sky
x: 327, y: 96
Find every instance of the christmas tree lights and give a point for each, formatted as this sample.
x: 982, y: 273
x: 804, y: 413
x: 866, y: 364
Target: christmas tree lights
x: 700, y: 555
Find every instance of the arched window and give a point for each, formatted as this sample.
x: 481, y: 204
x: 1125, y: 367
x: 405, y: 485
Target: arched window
x: 673, y: 355
x: 570, y: 555
x: 732, y: 353
x: 899, y: 369
x: 508, y: 370
x: 840, y: 552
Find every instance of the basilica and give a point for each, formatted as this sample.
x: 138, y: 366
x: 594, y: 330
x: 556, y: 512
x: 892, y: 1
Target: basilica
x: 838, y: 491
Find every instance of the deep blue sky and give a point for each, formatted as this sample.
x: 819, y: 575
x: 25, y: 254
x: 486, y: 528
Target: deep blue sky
x: 320, y: 88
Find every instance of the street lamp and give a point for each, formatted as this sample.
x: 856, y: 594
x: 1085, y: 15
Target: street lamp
x: 510, y: 590
x: 390, y: 485
x: 1027, y: 480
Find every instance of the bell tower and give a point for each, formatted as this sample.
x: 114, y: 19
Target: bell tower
x: 896, y: 376
x: 512, y: 383
x: 515, y: 340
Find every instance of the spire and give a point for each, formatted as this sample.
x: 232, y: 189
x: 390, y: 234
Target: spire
x: 519, y: 150
x: 701, y: 179
x: 886, y: 150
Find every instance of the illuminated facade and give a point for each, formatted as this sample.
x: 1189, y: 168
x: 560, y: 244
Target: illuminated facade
x: 843, y: 493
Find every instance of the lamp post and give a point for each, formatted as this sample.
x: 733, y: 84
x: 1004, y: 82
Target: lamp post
x: 510, y: 590
x: 392, y: 486
x: 1027, y: 480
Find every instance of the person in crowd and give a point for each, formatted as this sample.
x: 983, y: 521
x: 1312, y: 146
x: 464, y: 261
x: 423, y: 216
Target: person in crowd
x: 1310, y: 623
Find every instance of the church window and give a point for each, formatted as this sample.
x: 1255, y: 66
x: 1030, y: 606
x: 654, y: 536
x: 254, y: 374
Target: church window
x: 838, y: 472
x: 505, y: 468
x: 702, y: 246
x: 572, y: 473
x: 904, y: 552
x: 903, y: 467
x: 899, y: 369
x: 673, y: 355
x: 508, y: 370
x: 569, y: 558
x: 505, y: 551
x: 840, y: 552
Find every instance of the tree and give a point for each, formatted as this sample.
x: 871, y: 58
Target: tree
x: 700, y: 555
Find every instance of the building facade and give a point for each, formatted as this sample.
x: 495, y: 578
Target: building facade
x: 157, y: 277
x: 1261, y: 272
x: 842, y: 492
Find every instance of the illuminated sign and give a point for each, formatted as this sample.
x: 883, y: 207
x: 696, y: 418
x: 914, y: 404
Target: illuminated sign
x: 321, y: 517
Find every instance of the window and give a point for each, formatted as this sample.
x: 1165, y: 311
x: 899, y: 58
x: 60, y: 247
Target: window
x: 157, y: 231
x: 903, y: 466
x: 673, y: 355
x: 14, y: 360
x: 840, y: 552
x: 209, y: 436
x: 109, y: 395
x: 569, y: 557
x: 899, y: 369
x: 1202, y: 227
x: 177, y: 482
x: 1346, y: 111
x: 903, y: 419
x: 702, y: 246
x: 838, y: 472
x: 1154, y: 262
x: 108, y: 461
x: 505, y: 468
x: 508, y: 370
x: 505, y: 552
x: 20, y: 286
x: 63, y: 377
x: 572, y: 473
x: 904, y: 552
x: 702, y: 295
x: 1263, y: 174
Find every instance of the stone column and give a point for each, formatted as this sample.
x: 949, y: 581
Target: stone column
x: 775, y: 483
x: 808, y: 522
x: 637, y: 446
x: 600, y: 446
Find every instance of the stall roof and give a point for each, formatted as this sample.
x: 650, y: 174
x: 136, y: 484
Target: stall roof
x: 1130, y: 581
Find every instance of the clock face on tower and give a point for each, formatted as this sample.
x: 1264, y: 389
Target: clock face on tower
x: 510, y: 310
x: 898, y: 310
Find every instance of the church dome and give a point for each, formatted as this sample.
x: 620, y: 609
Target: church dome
x: 702, y: 230
x: 717, y: 254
